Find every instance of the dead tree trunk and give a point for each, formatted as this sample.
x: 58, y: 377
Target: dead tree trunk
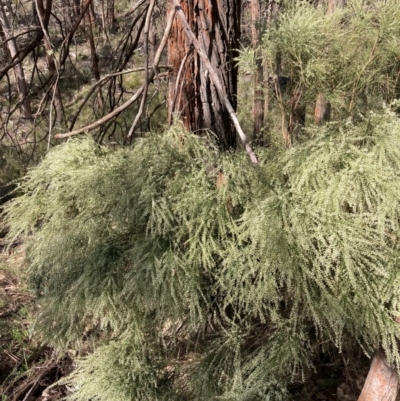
x: 18, y: 70
x: 192, y: 96
x: 382, y: 381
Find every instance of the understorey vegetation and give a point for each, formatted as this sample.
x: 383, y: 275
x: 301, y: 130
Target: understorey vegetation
x: 178, y: 269
x: 200, y: 276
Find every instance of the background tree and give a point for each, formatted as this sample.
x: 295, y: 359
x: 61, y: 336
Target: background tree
x: 22, y: 87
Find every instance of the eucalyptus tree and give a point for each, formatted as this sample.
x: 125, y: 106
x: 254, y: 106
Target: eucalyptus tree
x: 192, y: 95
x: 202, y: 42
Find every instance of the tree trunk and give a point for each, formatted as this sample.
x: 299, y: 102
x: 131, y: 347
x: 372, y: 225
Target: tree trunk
x: 192, y: 96
x: 258, y: 104
x: 152, y: 40
x: 93, y: 54
x: 76, y: 8
x: 110, y: 15
x: 18, y: 70
x: 3, y: 39
x: 51, y: 64
x: 297, y: 116
x: 382, y: 382
x: 322, y: 111
x: 67, y: 13
x: 269, y: 11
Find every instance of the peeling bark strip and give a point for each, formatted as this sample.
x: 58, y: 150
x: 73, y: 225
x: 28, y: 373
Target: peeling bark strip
x: 192, y: 96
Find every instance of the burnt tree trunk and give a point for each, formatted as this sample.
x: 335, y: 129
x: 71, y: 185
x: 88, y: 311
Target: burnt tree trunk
x: 192, y: 96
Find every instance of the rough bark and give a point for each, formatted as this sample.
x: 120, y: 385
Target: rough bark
x: 18, y: 70
x: 382, y: 382
x: 258, y: 104
x: 269, y: 11
x: 216, y: 82
x: 3, y: 39
x: 192, y: 96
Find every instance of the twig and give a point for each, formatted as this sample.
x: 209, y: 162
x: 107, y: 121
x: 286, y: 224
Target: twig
x: 146, y: 67
x: 134, y: 8
x: 32, y: 389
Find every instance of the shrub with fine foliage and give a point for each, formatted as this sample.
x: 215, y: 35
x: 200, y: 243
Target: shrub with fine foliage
x: 202, y: 277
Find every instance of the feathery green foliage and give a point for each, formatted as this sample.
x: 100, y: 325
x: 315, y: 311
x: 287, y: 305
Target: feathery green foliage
x: 351, y: 56
x: 201, y: 291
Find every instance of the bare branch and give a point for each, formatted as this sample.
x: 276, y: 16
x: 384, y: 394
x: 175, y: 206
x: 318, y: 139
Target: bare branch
x: 146, y: 67
x: 134, y: 8
x: 124, y: 106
